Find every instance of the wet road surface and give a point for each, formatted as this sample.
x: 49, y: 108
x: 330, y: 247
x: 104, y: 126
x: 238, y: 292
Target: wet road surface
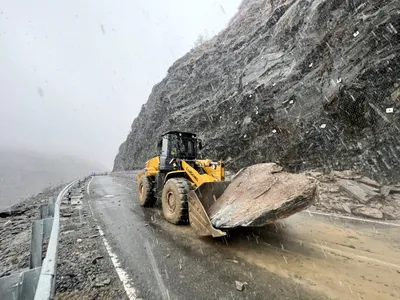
x: 307, y: 256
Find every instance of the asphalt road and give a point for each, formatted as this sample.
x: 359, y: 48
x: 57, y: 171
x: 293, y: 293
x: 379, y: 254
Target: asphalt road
x: 307, y: 256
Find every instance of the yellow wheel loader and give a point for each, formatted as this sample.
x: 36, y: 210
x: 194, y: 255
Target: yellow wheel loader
x: 194, y: 190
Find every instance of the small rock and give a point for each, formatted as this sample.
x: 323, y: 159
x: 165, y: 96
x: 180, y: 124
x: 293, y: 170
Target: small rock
x: 395, y: 95
x: 94, y: 260
x: 79, y: 240
x: 376, y: 205
x: 107, y: 281
x: 389, y: 212
x: 314, y: 174
x: 240, y: 285
x: 385, y: 190
x: 98, y: 284
x: 369, y: 181
x: 346, y: 208
x: 168, y: 255
x: 6, y: 223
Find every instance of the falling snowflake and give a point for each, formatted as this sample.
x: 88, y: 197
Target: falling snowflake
x: 389, y: 110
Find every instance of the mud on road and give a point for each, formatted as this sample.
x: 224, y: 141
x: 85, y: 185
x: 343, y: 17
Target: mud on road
x: 307, y: 256
x: 335, y: 258
x: 340, y: 258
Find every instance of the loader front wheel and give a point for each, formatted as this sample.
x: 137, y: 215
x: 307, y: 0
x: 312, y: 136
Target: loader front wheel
x: 145, y: 191
x: 175, y: 200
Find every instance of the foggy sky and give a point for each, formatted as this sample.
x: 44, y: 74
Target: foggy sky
x: 74, y: 74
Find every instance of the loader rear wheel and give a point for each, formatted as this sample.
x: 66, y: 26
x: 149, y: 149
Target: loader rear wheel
x: 145, y: 191
x: 175, y: 200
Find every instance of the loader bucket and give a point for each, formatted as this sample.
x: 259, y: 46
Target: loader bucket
x: 258, y: 195
x: 200, y: 200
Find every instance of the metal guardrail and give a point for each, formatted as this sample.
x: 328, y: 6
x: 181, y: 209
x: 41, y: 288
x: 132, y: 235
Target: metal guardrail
x: 46, y: 286
x: 39, y: 281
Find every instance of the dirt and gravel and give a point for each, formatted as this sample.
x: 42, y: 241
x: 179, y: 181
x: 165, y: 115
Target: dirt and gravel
x: 349, y: 193
x: 84, y: 267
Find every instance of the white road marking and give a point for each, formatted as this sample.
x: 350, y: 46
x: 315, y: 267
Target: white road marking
x: 88, y: 191
x: 128, y: 188
x: 356, y: 256
x: 351, y: 218
x: 163, y: 289
x: 123, y: 276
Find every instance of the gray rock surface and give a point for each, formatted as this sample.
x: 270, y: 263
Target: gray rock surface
x: 306, y: 84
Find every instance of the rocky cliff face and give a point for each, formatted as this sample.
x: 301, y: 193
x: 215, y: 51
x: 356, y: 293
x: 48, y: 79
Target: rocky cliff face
x: 307, y: 84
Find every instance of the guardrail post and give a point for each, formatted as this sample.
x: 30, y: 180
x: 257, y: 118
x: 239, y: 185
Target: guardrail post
x: 44, y: 211
x: 29, y: 282
x: 51, y: 209
x: 41, y: 229
x: 36, y: 244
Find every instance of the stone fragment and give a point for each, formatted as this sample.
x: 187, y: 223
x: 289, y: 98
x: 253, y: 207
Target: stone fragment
x: 357, y: 190
x: 368, y: 212
x: 240, y: 285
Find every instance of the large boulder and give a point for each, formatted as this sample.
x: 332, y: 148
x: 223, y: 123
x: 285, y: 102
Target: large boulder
x: 260, y: 195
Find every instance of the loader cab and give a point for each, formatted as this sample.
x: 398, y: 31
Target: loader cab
x: 176, y: 144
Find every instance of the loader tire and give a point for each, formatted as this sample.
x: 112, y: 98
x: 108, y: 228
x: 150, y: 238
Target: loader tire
x: 175, y: 200
x: 145, y: 191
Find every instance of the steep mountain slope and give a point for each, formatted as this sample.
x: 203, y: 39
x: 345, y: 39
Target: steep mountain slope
x: 310, y: 84
x: 23, y: 172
